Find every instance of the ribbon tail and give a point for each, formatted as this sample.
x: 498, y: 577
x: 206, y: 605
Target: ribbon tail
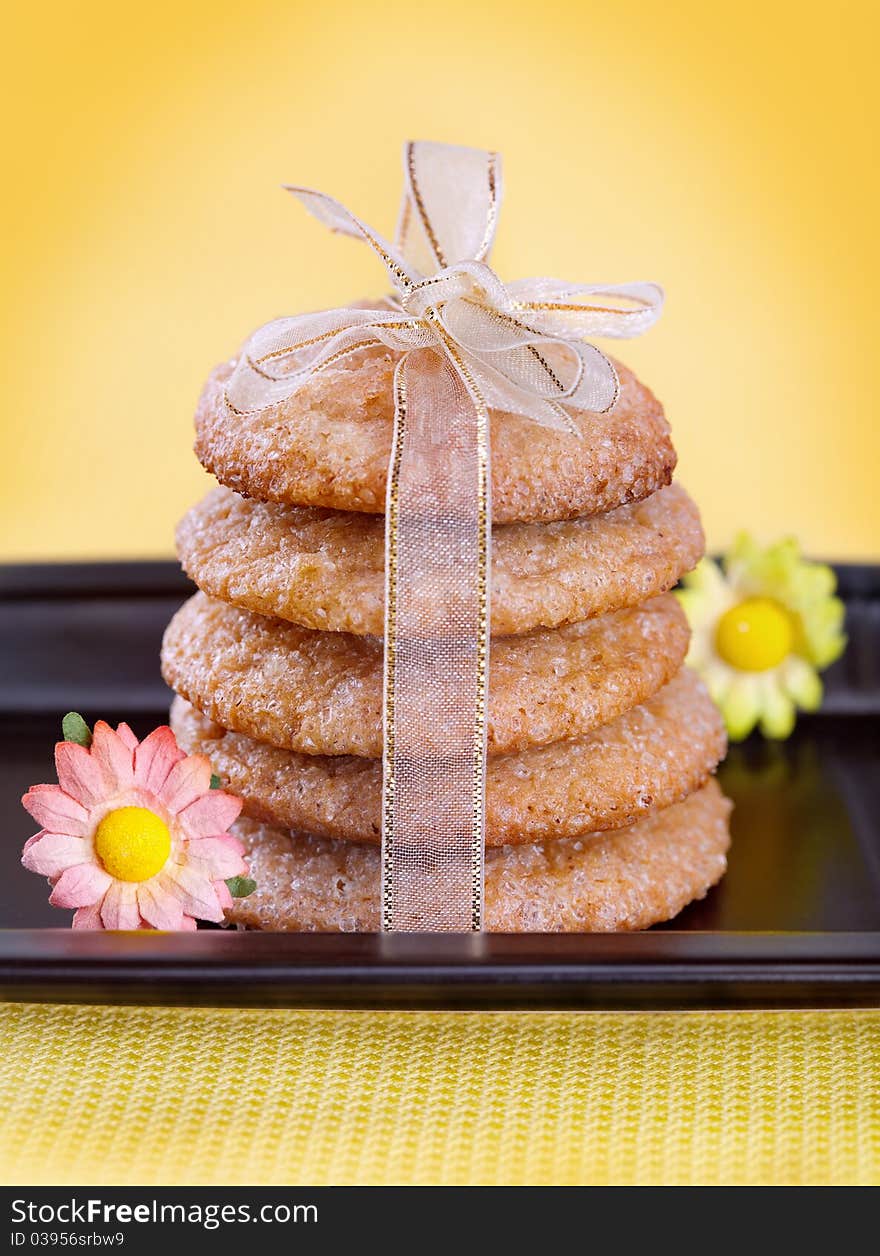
x: 436, y: 650
x: 339, y: 219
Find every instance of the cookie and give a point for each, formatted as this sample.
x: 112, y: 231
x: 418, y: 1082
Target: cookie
x: 329, y: 445
x: 324, y: 569
x: 626, y: 880
x: 650, y: 757
x: 321, y: 692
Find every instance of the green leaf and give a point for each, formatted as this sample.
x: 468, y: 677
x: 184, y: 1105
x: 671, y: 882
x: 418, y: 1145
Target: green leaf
x: 240, y: 887
x: 216, y: 783
x: 74, y: 728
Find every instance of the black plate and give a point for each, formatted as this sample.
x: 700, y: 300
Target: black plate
x: 796, y: 921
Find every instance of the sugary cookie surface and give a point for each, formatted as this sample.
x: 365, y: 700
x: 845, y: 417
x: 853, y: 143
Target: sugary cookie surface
x: 330, y: 443
x: 324, y: 569
x: 630, y: 879
x: 321, y: 693
x: 649, y: 757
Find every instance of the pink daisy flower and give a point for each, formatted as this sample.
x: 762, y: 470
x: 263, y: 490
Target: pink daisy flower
x: 133, y: 836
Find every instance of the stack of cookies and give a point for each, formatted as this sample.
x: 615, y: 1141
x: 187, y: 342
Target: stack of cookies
x: 601, y: 808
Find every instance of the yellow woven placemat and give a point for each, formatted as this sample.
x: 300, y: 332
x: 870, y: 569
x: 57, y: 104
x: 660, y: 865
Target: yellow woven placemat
x: 98, y: 1095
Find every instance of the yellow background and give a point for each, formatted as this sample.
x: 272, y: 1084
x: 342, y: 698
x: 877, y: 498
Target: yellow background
x: 723, y: 149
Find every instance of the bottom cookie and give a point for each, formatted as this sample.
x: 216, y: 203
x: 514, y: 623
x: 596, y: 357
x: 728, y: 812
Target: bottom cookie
x: 629, y: 879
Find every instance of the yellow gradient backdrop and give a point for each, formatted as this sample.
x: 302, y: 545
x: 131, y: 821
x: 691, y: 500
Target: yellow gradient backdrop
x: 726, y: 150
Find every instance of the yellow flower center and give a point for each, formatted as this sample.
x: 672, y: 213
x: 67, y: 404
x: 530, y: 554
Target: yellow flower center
x: 132, y: 843
x: 755, y: 635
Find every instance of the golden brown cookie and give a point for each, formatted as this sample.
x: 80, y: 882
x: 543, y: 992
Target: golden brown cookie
x: 321, y: 692
x: 650, y: 757
x: 626, y: 880
x: 329, y: 445
x: 324, y: 569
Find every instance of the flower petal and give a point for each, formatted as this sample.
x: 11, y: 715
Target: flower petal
x: 81, y: 886
x: 777, y: 714
x: 193, y: 891
x: 718, y: 678
x: 187, y: 781
x: 88, y: 918
x: 126, y: 736
x: 218, y: 857
x: 801, y: 682
x: 741, y: 706
x: 53, y: 852
x: 120, y: 907
x: 189, y: 924
x: 211, y: 814
x: 79, y: 774
x: 114, y: 758
x: 158, y: 907
x: 155, y: 757
x: 32, y: 841
x: 56, y: 811
x: 224, y: 898
x: 708, y: 593
x: 822, y: 626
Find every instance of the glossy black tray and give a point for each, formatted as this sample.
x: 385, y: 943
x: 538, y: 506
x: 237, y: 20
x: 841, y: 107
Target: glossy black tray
x: 795, y: 922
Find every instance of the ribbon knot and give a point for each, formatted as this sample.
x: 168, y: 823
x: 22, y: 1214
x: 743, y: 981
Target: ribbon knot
x: 468, y: 343
x: 466, y: 280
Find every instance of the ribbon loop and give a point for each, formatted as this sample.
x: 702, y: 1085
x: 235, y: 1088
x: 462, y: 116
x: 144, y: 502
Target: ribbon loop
x: 279, y: 357
x: 449, y: 210
x: 617, y: 311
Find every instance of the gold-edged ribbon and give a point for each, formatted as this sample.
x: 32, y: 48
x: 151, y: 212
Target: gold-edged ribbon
x: 468, y: 344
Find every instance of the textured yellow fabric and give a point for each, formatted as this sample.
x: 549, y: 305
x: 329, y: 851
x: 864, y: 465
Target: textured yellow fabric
x: 95, y: 1095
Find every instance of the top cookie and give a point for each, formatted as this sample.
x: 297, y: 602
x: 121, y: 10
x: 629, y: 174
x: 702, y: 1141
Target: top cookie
x: 329, y: 445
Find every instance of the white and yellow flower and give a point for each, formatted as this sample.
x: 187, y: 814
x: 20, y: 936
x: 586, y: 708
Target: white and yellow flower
x: 764, y: 625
